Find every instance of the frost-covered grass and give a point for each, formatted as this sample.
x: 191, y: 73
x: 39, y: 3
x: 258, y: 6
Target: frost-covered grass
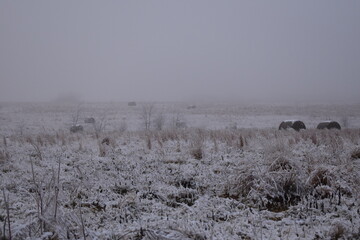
x: 177, y: 183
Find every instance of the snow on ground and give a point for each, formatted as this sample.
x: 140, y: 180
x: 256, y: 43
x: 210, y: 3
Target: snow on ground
x: 212, y: 172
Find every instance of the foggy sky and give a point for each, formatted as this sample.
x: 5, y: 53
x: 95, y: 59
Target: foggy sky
x: 154, y: 50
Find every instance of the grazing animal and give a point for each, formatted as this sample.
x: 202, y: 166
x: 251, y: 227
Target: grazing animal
x: 329, y: 125
x: 294, y: 124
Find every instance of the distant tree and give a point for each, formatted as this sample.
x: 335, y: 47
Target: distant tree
x: 75, y: 116
x: 159, y: 121
x: 146, y: 115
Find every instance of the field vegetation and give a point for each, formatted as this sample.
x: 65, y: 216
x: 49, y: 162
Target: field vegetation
x: 169, y: 181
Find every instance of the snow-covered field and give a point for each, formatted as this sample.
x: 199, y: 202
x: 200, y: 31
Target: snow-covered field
x: 210, y: 171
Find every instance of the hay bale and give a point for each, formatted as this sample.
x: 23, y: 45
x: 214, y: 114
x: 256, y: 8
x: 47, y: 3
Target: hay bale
x: 294, y: 124
x: 89, y: 120
x: 329, y: 125
x: 285, y: 125
x: 297, y: 125
x: 76, y: 128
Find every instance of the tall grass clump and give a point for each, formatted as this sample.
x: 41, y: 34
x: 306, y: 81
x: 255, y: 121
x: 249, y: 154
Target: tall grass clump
x: 4, y: 155
x: 197, y: 144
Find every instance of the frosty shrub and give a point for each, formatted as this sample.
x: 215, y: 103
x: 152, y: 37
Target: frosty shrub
x: 284, y: 190
x: 105, y: 146
x: 311, y: 135
x: 186, y: 196
x: 37, y: 149
x: 106, y: 141
x: 186, y: 182
x: 355, y: 154
x: 169, y: 135
x: 352, y: 135
x: 197, y: 152
x: 274, y: 148
x: 275, y: 188
x: 282, y: 183
x: 45, y: 190
x: 4, y: 156
x: 240, y: 185
x: 337, y: 231
x: 320, y: 176
x: 280, y: 164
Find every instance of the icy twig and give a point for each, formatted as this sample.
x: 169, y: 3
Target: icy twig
x: 6, y: 200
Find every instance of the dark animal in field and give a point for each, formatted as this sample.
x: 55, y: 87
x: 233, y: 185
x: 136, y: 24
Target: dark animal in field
x: 294, y: 124
x: 131, y: 104
x: 89, y: 120
x: 329, y: 125
x: 76, y: 128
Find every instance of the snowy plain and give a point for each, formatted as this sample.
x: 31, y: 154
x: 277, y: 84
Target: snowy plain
x: 203, y: 171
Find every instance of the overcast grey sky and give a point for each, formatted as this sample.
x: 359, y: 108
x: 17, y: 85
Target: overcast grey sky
x: 154, y: 50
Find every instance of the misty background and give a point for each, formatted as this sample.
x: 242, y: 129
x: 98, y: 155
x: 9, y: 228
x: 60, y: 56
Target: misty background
x: 249, y: 51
